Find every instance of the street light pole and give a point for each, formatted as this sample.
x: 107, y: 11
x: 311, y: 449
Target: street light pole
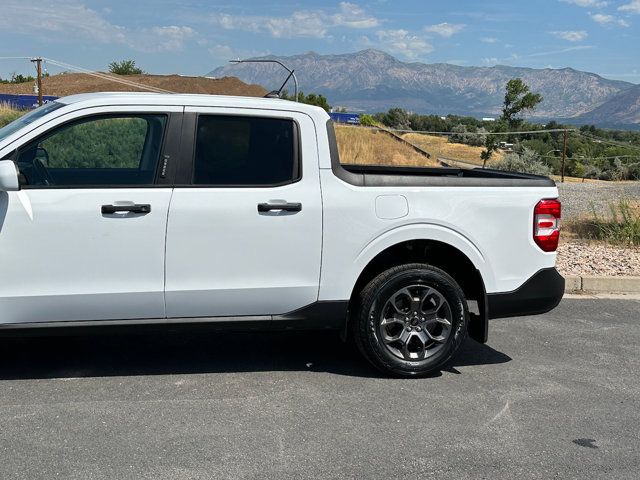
x: 268, y: 60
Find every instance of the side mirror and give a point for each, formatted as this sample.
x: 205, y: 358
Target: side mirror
x: 8, y: 176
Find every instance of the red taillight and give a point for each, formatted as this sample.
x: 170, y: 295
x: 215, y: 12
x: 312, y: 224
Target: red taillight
x: 546, y: 224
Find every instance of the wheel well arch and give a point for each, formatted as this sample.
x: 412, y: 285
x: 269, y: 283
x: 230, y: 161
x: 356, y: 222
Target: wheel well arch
x: 438, y: 254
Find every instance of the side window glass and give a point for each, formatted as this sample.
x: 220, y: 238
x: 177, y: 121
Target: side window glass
x: 243, y: 151
x: 113, y: 150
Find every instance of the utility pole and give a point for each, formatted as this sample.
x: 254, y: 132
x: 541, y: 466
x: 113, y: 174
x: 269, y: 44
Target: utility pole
x: 564, y: 154
x: 38, y: 62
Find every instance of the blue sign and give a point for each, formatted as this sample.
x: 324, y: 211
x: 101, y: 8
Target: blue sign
x: 352, y: 118
x: 24, y: 102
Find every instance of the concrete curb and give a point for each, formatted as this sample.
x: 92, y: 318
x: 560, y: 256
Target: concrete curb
x: 592, y: 284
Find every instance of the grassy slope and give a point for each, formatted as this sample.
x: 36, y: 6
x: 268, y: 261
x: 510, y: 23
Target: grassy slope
x: 369, y: 147
x: 440, y: 147
x: 8, y: 115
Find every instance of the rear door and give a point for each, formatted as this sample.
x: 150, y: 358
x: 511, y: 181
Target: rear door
x: 84, y: 238
x: 245, y: 223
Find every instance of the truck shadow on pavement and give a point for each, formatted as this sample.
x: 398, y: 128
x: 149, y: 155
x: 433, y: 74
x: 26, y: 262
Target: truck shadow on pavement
x: 198, y: 352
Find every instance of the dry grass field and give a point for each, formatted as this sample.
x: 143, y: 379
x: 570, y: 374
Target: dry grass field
x: 365, y: 146
x: 440, y: 147
x: 8, y: 114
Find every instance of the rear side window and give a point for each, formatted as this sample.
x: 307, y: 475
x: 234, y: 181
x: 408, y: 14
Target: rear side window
x: 245, y: 151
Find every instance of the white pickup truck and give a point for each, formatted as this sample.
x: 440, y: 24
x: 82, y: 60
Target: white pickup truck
x: 137, y: 209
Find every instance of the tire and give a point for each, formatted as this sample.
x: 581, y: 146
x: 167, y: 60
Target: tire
x: 410, y: 320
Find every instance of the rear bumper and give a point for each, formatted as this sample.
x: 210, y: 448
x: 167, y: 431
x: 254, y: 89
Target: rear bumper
x: 540, y: 294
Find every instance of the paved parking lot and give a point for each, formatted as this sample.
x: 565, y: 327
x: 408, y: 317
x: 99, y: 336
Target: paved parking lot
x: 555, y: 396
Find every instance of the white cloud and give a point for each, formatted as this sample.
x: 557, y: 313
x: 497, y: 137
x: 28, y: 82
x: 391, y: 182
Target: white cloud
x: 488, y: 40
x: 165, y: 39
x: 491, y: 61
x: 604, y: 19
x: 69, y: 17
x: 444, y: 29
x: 556, y: 52
x: 514, y: 57
x: 237, y: 22
x: 587, y: 3
x: 571, y: 35
x: 353, y: 16
x: 71, y: 20
x: 631, y: 7
x: 301, y: 23
x: 404, y: 43
x: 225, y: 52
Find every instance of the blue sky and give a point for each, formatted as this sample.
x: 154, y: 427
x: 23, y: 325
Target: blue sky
x: 194, y: 36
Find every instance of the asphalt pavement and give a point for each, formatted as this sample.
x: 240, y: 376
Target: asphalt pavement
x: 553, y: 396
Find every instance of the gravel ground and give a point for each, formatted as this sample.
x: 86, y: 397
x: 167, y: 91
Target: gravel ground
x: 578, y: 199
x: 583, y: 258
x: 591, y: 258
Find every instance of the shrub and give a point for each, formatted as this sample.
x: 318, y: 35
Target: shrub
x: 367, y: 121
x: 634, y: 171
x: 125, y: 67
x: 472, y: 137
x: 622, y: 228
x: 526, y: 162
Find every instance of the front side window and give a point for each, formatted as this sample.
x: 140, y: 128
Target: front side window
x: 97, y: 151
x: 245, y: 151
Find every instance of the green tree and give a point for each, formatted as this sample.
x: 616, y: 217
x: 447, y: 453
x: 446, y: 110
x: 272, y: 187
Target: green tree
x: 397, y: 118
x: 518, y: 98
x: 310, y: 99
x: 490, y: 146
x: 125, y: 67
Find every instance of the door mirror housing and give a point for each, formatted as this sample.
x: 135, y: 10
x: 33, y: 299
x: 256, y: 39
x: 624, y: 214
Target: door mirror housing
x: 9, y: 176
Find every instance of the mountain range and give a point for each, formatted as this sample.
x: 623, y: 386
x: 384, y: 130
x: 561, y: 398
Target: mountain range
x: 373, y: 81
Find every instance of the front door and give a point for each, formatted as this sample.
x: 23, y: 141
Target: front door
x: 245, y: 229
x: 84, y: 238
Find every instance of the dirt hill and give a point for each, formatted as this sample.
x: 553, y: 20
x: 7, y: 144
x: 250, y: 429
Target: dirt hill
x: 72, y: 83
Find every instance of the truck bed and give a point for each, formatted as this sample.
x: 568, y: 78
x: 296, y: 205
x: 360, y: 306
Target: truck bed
x: 387, y: 175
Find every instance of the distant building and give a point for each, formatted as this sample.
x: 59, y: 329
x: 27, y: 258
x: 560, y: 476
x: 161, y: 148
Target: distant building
x: 488, y: 119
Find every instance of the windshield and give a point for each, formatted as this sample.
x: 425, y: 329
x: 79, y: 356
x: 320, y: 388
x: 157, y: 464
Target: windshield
x: 28, y: 118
